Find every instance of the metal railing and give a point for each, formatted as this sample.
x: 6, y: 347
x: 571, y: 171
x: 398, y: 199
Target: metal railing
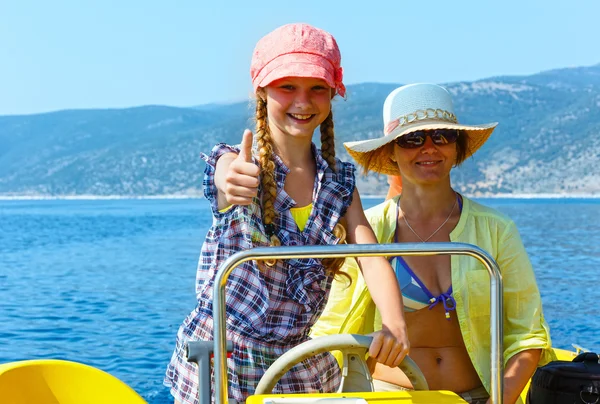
x: 359, y: 250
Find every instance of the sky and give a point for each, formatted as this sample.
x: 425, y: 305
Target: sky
x: 74, y: 54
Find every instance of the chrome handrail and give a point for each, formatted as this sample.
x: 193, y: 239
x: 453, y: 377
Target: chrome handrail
x: 359, y: 250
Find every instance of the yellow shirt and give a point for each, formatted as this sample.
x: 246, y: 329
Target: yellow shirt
x: 301, y: 215
x: 350, y: 309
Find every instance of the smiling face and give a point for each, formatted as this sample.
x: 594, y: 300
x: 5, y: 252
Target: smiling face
x: 296, y: 106
x: 425, y: 165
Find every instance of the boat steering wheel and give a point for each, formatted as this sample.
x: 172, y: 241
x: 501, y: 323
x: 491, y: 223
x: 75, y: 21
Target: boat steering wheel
x: 354, y: 349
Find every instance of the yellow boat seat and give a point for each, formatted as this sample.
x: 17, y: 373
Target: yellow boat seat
x: 51, y: 381
x: 401, y: 397
x: 406, y: 397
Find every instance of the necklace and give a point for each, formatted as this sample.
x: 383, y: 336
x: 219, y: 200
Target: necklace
x: 436, y: 230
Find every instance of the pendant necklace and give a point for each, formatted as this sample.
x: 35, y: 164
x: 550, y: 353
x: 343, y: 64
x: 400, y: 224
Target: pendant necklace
x: 436, y: 230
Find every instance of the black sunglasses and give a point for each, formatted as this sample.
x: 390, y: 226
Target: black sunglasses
x: 439, y: 137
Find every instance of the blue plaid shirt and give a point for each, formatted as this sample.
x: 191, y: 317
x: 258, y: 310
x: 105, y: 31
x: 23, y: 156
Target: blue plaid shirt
x: 269, y: 309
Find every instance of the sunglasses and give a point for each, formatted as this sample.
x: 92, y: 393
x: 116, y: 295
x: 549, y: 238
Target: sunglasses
x: 439, y: 137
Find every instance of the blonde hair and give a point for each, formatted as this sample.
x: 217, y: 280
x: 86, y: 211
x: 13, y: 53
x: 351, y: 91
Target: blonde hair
x: 377, y: 159
x: 269, y: 185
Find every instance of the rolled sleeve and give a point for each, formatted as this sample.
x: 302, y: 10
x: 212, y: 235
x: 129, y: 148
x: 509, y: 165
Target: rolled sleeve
x: 210, y: 189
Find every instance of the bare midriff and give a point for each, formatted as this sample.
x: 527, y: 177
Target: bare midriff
x: 437, y: 347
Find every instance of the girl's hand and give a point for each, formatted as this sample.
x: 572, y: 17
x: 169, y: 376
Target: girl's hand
x: 237, y: 175
x: 389, y: 346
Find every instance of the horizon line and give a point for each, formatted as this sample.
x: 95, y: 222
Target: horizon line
x: 478, y: 195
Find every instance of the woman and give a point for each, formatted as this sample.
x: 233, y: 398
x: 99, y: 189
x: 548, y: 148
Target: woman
x: 446, y: 299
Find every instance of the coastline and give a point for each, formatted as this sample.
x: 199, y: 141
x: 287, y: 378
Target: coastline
x: 513, y: 196
x: 366, y: 196
x: 92, y: 197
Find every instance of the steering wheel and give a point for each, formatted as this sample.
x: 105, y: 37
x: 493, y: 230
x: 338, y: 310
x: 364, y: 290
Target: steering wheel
x: 355, y: 372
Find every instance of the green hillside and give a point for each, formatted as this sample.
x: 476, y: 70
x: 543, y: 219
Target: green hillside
x: 548, y: 140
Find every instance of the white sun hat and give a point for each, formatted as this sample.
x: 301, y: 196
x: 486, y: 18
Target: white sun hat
x: 413, y: 107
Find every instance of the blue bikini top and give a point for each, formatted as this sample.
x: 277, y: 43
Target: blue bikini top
x: 415, y: 294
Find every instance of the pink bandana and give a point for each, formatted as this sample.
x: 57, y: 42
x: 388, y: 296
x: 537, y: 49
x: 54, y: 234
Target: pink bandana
x: 297, y: 50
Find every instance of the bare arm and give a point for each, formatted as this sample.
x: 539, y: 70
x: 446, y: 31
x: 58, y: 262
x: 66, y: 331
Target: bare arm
x: 391, y: 344
x: 519, y: 370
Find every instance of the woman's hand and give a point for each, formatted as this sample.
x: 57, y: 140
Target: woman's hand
x: 390, y: 346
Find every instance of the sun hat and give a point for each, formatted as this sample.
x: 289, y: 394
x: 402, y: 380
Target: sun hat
x: 413, y: 107
x: 297, y: 50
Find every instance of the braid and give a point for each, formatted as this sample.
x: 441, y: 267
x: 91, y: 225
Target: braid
x: 269, y: 187
x: 328, y: 142
x: 332, y: 265
x: 267, y: 168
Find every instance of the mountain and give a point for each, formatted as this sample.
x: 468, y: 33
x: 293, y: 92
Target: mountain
x: 548, y: 140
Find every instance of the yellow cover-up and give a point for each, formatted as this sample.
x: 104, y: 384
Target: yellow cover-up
x: 350, y: 309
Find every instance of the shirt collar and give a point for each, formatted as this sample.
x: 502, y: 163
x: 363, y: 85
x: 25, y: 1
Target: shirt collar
x: 283, y: 201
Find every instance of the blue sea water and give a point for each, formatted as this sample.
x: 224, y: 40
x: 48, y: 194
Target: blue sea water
x: 107, y: 282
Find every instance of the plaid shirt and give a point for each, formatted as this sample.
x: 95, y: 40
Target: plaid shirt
x: 269, y: 309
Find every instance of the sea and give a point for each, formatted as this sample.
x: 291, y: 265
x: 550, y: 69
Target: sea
x: 107, y: 282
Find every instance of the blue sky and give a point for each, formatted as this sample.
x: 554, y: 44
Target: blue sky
x: 109, y: 54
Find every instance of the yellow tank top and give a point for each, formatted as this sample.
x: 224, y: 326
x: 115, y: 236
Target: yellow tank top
x: 300, y: 215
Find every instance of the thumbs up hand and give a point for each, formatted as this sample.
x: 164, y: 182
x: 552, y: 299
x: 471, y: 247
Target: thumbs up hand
x: 242, y: 175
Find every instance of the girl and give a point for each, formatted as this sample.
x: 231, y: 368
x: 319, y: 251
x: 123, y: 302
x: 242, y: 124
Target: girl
x: 296, y: 195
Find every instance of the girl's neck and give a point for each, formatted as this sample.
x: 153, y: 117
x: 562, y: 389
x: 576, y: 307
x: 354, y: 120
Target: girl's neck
x: 298, y: 158
x: 419, y: 202
x: 294, y: 152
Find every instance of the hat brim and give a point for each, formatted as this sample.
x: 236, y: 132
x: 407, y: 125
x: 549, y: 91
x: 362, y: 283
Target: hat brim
x: 296, y: 65
x: 360, y: 150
